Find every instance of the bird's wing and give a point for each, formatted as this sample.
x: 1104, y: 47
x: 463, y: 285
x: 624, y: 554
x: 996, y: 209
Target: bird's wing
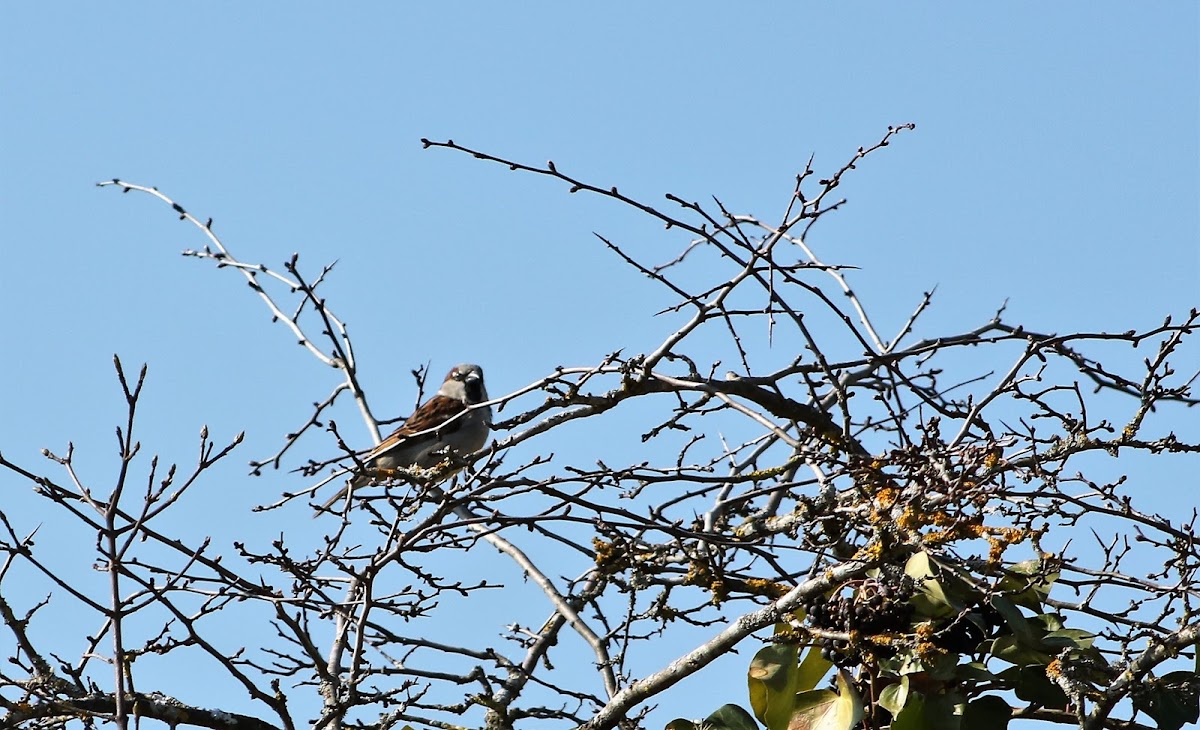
x: 432, y: 419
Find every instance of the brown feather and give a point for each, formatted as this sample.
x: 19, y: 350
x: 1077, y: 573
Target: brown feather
x: 430, y: 428
x: 430, y: 416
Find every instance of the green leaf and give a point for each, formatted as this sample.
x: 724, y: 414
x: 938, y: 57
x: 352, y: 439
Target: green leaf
x: 813, y: 668
x: 894, y: 696
x: 943, y: 667
x: 730, y: 717
x: 987, y: 713
x: 727, y: 717
x: 1011, y: 651
x: 1032, y: 685
x: 974, y: 672
x: 1172, y: 700
x: 919, y: 566
x: 772, y: 682
x: 1027, y: 588
x: 812, y: 707
x: 1074, y: 638
x: 1051, y: 621
x: 941, y: 592
x: 1014, y: 619
x: 944, y: 712
x: 912, y: 717
x: 940, y: 666
x: 930, y: 600
x: 823, y: 709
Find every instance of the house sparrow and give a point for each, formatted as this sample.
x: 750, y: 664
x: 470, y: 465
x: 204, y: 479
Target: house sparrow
x: 444, y: 421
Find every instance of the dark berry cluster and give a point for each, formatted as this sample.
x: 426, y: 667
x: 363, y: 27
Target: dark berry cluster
x: 865, y: 608
x: 963, y: 633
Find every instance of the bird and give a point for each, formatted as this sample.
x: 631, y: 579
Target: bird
x: 448, y: 420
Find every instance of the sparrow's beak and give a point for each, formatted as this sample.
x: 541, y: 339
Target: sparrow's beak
x: 474, y: 388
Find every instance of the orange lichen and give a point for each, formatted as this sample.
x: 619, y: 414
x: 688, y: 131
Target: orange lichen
x: 870, y: 552
x: 611, y: 557
x: 769, y: 588
x: 1001, y: 538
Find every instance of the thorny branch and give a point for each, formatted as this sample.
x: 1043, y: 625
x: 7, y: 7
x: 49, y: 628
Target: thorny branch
x: 756, y: 490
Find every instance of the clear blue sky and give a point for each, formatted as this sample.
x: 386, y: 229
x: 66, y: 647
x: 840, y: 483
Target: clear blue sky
x: 1054, y: 164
